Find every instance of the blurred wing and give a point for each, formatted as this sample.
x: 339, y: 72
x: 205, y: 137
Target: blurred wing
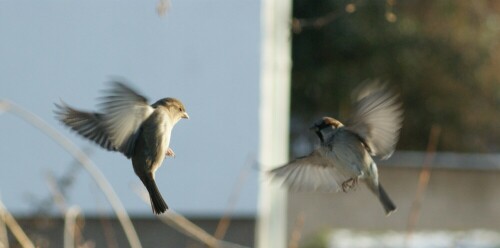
x: 312, y: 173
x: 124, y: 111
x: 89, y: 125
x: 377, y: 119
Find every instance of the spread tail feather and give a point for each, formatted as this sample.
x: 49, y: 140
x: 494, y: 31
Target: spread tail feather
x: 387, y: 203
x: 157, y: 203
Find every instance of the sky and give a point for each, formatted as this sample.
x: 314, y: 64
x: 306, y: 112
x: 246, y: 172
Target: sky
x: 204, y: 52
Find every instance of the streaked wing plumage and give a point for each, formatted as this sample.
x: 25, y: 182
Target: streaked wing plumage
x: 124, y: 111
x: 377, y: 119
x: 89, y: 125
x: 312, y: 173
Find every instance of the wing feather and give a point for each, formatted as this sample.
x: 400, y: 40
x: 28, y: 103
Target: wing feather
x: 124, y: 112
x: 377, y: 119
x: 117, y: 126
x: 312, y: 173
x: 89, y: 125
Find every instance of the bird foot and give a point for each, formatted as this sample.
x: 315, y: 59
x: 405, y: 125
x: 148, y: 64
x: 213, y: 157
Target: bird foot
x: 349, y: 184
x: 170, y: 152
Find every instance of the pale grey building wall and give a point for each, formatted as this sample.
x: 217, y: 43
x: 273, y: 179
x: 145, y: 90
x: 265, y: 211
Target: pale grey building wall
x: 463, y: 193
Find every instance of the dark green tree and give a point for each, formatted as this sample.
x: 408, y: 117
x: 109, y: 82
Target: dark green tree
x: 443, y: 57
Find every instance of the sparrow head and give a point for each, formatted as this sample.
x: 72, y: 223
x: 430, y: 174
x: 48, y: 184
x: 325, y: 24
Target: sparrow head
x: 323, y: 126
x: 174, y: 107
x: 326, y: 122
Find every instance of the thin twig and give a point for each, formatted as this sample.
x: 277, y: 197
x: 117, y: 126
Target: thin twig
x: 85, y: 161
x: 15, y: 228
x: 225, y: 221
x: 163, y: 7
x: 57, y: 195
x: 60, y: 200
x: 183, y: 225
x: 297, y: 231
x: 423, y: 180
x: 62, y: 185
x: 107, y: 227
x: 299, y: 24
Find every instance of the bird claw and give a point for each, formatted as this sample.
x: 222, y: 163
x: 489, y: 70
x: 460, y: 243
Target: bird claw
x: 349, y: 184
x: 170, y: 152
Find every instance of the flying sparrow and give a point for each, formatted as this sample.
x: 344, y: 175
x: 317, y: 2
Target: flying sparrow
x: 344, y: 155
x: 128, y: 124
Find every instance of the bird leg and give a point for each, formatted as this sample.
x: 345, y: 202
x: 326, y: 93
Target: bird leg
x: 349, y: 184
x: 170, y: 152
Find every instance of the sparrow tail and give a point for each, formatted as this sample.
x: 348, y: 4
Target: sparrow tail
x: 157, y: 203
x: 385, y: 200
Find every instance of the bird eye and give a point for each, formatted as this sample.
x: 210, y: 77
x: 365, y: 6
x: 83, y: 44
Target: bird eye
x: 180, y: 109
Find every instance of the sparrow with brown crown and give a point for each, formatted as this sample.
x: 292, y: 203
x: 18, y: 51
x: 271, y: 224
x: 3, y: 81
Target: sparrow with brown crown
x: 344, y: 155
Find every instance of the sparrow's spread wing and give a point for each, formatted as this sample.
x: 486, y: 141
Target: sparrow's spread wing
x: 89, y: 125
x: 377, y: 119
x: 124, y: 111
x: 313, y: 172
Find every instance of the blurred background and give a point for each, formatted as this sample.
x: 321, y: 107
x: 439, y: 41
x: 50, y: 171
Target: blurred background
x: 442, y: 57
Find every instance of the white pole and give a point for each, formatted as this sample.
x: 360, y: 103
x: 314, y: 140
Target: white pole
x: 274, y: 120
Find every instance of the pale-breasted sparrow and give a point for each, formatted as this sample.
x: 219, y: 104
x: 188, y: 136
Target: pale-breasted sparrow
x: 344, y: 155
x: 128, y: 124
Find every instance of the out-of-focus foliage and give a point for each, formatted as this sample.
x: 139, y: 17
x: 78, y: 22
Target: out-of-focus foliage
x: 318, y: 240
x: 442, y: 56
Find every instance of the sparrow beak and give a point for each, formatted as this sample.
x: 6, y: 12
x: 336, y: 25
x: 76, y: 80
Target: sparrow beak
x: 185, y: 115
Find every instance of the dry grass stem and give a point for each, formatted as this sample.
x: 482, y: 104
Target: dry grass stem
x: 14, y: 227
x: 225, y: 221
x: 85, y: 161
x: 185, y: 226
x: 57, y: 196
x: 4, y: 239
x: 297, y: 231
x: 423, y: 181
x: 70, y: 227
